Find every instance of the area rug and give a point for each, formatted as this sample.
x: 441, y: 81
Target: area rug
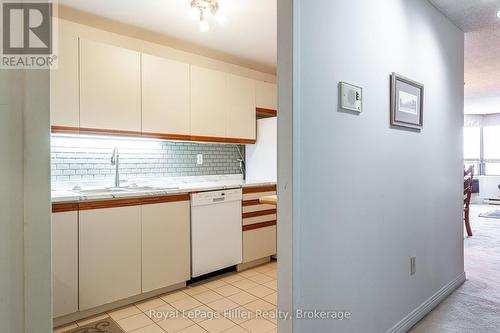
x: 494, y: 214
x: 106, y: 325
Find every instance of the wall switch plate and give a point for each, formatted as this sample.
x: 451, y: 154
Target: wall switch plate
x: 199, y: 159
x: 413, y: 267
x: 351, y: 97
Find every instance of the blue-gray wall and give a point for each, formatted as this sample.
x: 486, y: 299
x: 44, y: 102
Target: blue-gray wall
x: 368, y: 197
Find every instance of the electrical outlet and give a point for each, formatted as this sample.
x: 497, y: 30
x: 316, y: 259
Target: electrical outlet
x: 413, y: 267
x: 199, y: 159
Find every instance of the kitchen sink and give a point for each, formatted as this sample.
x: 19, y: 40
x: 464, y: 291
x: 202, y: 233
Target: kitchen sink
x: 125, y: 189
x: 101, y: 191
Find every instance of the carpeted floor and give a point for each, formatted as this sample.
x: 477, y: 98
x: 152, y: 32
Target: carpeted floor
x: 475, y: 306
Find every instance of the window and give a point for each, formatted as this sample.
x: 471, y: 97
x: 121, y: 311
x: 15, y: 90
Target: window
x: 482, y: 149
x: 491, y: 146
x: 491, y: 143
x: 472, y: 143
x: 492, y: 169
x: 472, y: 148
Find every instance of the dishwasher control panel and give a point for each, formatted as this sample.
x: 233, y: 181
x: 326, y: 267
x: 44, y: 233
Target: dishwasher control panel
x: 213, y: 197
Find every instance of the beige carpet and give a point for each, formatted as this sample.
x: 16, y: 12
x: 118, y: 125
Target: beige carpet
x: 475, y: 306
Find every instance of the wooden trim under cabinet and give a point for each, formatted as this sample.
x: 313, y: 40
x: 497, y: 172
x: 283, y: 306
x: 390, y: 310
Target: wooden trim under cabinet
x: 259, y: 213
x: 253, y: 202
x: 259, y: 225
x: 114, y: 203
x: 241, y: 141
x: 65, y: 129
x: 258, y: 189
x: 94, y: 131
x: 164, y: 199
x: 266, y: 113
x: 163, y: 136
x: 100, y: 204
x: 64, y: 207
x: 98, y: 131
x: 222, y: 140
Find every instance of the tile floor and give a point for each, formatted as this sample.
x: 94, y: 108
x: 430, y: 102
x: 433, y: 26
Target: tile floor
x: 231, y: 303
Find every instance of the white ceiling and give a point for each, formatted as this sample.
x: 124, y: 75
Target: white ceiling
x: 477, y: 18
x: 249, y: 33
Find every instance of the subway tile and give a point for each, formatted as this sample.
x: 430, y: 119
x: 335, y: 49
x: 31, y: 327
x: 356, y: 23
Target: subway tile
x: 158, y: 159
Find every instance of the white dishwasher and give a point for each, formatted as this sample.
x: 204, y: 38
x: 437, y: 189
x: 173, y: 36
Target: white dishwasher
x: 216, y: 231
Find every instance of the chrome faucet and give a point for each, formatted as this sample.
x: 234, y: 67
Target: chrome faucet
x: 241, y: 160
x: 115, y: 161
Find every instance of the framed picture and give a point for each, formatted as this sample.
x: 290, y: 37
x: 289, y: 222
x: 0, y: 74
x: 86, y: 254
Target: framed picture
x: 407, y: 102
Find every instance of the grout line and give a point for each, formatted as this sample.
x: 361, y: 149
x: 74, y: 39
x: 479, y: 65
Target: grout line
x: 203, y: 303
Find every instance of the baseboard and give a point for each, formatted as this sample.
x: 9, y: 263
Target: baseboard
x: 413, y: 317
x: 60, y: 321
x: 251, y: 264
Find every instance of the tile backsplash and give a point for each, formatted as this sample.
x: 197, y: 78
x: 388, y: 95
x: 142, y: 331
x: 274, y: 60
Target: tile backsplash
x: 76, y: 158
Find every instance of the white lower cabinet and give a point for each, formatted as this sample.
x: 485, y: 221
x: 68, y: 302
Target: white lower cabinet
x: 110, y: 255
x: 65, y: 263
x: 166, y: 249
x: 259, y: 243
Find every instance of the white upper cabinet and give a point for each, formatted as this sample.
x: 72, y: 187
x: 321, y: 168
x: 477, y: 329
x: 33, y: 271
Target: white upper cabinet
x: 64, y: 108
x: 110, y: 87
x: 165, y: 96
x: 266, y: 95
x: 240, y: 101
x: 208, y: 102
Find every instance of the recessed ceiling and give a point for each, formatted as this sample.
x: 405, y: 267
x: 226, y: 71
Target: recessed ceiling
x: 478, y: 19
x: 249, y: 33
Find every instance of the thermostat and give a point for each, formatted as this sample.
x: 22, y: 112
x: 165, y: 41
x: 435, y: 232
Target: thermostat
x: 351, y: 97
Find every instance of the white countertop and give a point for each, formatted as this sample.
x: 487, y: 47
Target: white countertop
x: 63, y: 191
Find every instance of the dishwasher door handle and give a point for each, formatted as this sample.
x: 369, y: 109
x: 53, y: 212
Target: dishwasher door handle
x: 218, y: 199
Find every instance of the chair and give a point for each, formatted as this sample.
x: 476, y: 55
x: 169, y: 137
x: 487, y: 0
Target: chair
x: 468, y: 176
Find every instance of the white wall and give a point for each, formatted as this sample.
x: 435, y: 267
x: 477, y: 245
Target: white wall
x: 25, y: 262
x: 261, y: 157
x: 368, y: 197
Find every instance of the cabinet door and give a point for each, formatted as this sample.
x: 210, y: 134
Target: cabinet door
x: 110, y: 87
x: 208, y: 107
x: 165, y: 96
x: 110, y: 255
x: 166, y: 246
x: 266, y: 95
x: 64, y: 94
x: 241, y: 120
x: 259, y: 243
x: 65, y: 263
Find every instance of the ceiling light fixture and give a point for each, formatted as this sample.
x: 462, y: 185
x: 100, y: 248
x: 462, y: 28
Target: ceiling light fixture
x: 201, y: 9
x: 498, y: 14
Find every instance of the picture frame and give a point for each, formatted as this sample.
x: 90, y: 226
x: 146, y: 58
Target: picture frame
x: 407, y: 103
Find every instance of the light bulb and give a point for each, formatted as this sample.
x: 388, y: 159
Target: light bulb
x: 207, y: 12
x: 194, y: 13
x: 204, y: 26
x: 220, y: 18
